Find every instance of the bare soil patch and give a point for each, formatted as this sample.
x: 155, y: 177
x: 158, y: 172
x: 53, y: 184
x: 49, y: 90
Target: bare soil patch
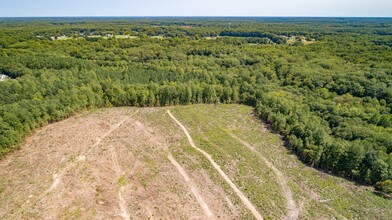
x: 109, y: 164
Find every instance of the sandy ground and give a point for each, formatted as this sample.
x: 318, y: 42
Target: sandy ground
x: 109, y: 164
x: 142, y: 163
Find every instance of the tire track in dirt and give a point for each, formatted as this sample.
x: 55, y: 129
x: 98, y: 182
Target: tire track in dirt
x: 316, y: 198
x: 244, y: 199
x: 193, y: 187
x: 57, y: 176
x: 56, y: 181
x: 65, y: 169
x: 292, y: 209
x: 121, y: 202
x: 231, y: 205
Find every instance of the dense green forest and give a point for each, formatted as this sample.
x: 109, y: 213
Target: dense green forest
x: 324, y: 84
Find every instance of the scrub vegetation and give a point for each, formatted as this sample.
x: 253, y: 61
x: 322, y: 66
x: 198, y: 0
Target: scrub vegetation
x: 331, y: 99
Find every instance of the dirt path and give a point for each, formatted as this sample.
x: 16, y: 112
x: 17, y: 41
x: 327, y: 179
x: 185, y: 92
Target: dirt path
x: 244, y: 199
x: 121, y: 202
x: 97, y: 143
x: 292, y: 209
x: 193, y: 187
x: 57, y: 177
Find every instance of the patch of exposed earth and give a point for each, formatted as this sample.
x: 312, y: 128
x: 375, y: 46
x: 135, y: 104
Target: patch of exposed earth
x: 108, y: 164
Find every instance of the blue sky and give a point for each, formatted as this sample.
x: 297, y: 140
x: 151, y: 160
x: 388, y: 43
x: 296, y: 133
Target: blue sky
x: 349, y: 8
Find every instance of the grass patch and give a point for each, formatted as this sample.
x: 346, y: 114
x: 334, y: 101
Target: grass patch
x: 317, y: 194
x: 320, y: 195
x: 122, y: 181
x: 73, y: 214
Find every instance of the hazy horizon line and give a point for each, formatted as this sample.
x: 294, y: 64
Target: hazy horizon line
x: 193, y: 16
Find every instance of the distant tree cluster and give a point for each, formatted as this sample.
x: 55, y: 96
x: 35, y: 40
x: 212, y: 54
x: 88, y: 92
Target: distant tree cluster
x: 331, y: 100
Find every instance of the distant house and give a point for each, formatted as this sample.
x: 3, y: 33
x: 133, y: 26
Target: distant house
x: 3, y: 77
x: 64, y: 37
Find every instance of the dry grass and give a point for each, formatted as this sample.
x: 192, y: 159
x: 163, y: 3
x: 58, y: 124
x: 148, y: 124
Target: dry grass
x: 126, y: 174
x: 113, y: 164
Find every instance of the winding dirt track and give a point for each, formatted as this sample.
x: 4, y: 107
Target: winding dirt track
x: 109, y: 164
x: 121, y: 202
x: 192, y: 187
x: 292, y: 210
x: 244, y: 199
x: 116, y: 164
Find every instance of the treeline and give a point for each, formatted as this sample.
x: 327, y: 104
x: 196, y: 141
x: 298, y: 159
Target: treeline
x: 254, y: 34
x: 364, y: 159
x: 31, y: 102
x: 331, y: 100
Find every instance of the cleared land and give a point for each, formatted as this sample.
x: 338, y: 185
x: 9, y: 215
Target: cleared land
x: 123, y: 163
